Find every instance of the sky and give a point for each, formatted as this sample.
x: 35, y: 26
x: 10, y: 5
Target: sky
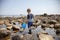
x: 17, y: 7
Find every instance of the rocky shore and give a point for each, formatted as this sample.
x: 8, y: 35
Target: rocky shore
x: 45, y: 27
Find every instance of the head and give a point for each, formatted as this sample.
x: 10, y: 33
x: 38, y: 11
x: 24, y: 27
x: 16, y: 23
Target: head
x: 28, y: 10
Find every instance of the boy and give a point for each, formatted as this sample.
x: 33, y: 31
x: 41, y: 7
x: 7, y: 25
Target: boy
x: 30, y: 19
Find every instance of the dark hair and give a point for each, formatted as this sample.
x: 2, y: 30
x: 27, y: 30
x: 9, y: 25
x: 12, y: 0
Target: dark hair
x: 28, y: 10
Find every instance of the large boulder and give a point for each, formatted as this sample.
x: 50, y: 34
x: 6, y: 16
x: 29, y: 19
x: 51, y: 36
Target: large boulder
x: 44, y: 25
x: 6, y: 22
x: 9, y: 26
x: 58, y: 32
x: 45, y: 20
x: 51, y: 26
x: 13, y: 22
x: 4, y: 33
x: 28, y: 37
x: 52, y: 22
x: 18, y: 37
x: 15, y: 28
x: 57, y: 26
x: 37, y: 23
x: 20, y: 20
x: 45, y: 36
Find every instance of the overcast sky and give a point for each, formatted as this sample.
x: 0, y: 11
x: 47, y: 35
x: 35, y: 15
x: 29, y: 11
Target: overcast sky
x: 17, y: 7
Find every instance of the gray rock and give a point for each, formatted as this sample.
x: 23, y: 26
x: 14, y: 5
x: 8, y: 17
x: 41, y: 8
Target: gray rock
x: 52, y: 22
x: 58, y: 32
x: 4, y: 33
x: 57, y: 26
x: 18, y: 37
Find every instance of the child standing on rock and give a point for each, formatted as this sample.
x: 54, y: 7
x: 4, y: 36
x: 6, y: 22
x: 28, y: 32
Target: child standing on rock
x: 30, y: 19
